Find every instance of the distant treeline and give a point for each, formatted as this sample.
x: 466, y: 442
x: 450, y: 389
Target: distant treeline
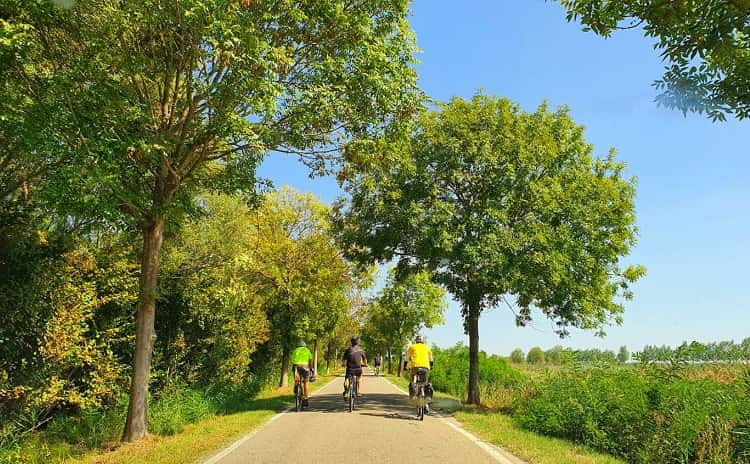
x: 723, y: 351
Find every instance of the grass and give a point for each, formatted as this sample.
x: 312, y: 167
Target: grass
x: 499, y: 429
x: 189, y: 441
x: 200, y: 440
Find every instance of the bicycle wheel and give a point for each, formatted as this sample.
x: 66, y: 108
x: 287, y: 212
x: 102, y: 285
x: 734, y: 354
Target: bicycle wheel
x: 420, y: 403
x: 352, y: 392
x: 298, y: 397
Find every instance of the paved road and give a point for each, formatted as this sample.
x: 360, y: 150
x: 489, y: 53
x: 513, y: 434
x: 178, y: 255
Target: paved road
x: 383, y: 429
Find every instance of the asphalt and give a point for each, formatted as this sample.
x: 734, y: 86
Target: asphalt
x: 382, y: 429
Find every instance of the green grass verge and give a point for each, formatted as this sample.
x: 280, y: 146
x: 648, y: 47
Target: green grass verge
x: 180, y: 436
x: 198, y: 441
x: 499, y: 429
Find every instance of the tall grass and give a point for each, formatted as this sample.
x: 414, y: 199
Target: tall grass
x: 643, y: 415
x: 72, y: 435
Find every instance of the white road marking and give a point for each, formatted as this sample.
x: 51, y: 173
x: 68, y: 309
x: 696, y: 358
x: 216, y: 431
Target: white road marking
x: 499, y: 455
x: 229, y: 449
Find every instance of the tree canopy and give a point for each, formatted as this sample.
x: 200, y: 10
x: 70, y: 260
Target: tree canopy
x: 160, y: 99
x: 706, y: 44
x: 497, y: 202
x: 406, y: 305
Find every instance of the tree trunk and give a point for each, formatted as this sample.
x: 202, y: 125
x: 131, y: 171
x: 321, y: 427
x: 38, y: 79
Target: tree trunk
x: 400, y: 362
x: 390, y: 362
x: 136, y: 425
x: 284, y: 381
x: 315, y: 356
x: 473, y: 323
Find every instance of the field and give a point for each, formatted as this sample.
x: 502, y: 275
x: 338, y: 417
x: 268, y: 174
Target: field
x: 641, y: 413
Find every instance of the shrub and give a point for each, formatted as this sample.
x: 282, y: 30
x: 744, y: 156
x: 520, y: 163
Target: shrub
x: 535, y: 356
x: 451, y: 371
x: 517, y: 356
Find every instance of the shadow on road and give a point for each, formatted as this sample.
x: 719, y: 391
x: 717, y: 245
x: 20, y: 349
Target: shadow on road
x: 387, y: 405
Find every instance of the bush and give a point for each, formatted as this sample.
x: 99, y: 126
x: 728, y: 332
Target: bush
x: 645, y: 416
x: 451, y: 372
x: 535, y: 356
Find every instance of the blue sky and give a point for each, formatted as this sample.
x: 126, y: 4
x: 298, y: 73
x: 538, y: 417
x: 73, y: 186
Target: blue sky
x: 693, y: 200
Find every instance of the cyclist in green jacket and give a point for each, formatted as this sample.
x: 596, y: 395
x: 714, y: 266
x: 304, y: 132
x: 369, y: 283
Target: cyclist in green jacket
x: 301, y: 359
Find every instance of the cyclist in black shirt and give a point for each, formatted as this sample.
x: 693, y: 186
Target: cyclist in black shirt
x: 354, y: 358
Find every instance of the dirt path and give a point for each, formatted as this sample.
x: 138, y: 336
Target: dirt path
x: 383, y: 429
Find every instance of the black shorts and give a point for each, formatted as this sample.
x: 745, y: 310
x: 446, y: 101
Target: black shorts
x: 304, y: 371
x: 357, y: 372
x: 421, y: 374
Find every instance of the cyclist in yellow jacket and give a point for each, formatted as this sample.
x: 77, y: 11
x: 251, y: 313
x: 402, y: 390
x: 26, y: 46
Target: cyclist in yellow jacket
x: 419, y: 359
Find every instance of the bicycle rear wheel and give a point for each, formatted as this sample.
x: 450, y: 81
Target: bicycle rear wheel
x: 420, y: 403
x: 352, y: 392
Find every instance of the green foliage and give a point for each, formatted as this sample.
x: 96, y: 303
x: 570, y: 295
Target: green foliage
x: 295, y: 261
x: 66, y: 306
x: 497, y: 202
x: 72, y: 435
x: 213, y: 318
x: 466, y: 170
x: 450, y: 373
x: 723, y: 351
x: 535, y: 356
x: 517, y: 356
x: 404, y: 306
x: 623, y: 355
x: 705, y: 42
x: 643, y: 416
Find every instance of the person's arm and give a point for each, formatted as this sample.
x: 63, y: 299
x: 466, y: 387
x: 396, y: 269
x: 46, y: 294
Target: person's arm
x: 343, y: 360
x: 364, y: 360
x: 432, y: 360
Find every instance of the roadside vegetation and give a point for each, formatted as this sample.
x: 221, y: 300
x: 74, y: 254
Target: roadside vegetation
x: 152, y: 284
x: 641, y: 413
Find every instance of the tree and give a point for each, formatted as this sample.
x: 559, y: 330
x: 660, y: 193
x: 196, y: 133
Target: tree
x: 295, y: 258
x: 406, y: 305
x: 623, y: 355
x: 196, y: 92
x: 213, y: 316
x: 517, y: 356
x: 558, y: 355
x: 705, y: 42
x: 498, y: 203
x: 535, y: 356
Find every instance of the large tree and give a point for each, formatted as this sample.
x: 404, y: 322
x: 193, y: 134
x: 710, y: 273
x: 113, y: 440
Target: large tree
x: 181, y: 85
x: 501, y: 203
x: 706, y: 44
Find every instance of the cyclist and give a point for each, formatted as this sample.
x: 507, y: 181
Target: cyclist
x: 378, y: 361
x: 354, y: 358
x: 301, y: 359
x: 418, y: 356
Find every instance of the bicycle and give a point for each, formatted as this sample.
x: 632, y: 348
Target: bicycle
x: 299, y: 391
x: 353, y: 390
x: 377, y: 371
x: 420, y: 397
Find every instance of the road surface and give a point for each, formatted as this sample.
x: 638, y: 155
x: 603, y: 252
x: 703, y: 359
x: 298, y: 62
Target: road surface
x: 383, y: 429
